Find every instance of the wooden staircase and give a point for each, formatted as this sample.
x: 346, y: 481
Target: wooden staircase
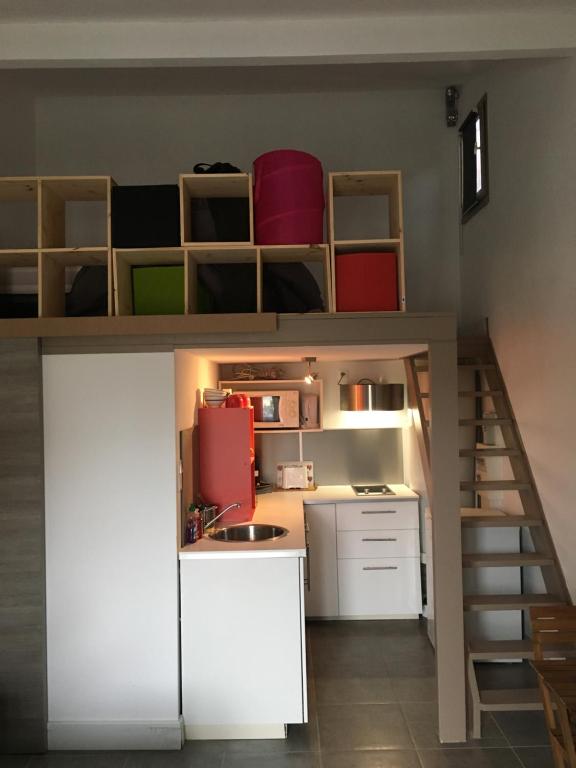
x: 490, y: 435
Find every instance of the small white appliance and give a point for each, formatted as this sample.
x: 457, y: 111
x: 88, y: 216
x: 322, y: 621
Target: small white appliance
x: 295, y: 474
x: 275, y: 409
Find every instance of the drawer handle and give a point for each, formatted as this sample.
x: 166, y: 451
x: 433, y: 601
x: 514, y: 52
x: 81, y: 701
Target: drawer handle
x: 380, y: 539
x: 379, y: 511
x: 380, y: 568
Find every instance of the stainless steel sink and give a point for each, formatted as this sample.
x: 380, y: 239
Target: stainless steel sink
x: 249, y: 532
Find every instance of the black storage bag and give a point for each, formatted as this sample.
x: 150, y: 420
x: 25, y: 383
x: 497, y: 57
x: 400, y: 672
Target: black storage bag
x: 89, y: 293
x: 146, y: 216
x: 230, y: 215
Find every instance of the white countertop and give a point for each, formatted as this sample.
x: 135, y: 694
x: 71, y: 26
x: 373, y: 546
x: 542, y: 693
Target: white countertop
x: 330, y: 494
x: 285, y: 508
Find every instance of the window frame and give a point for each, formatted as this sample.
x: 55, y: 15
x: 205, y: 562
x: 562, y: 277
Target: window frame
x: 478, y: 115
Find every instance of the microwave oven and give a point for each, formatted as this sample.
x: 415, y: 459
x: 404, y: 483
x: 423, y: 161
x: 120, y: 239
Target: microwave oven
x: 275, y: 409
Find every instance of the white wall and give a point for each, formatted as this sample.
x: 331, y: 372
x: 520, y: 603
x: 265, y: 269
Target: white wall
x: 518, y: 269
x: 147, y: 127
x: 112, y: 596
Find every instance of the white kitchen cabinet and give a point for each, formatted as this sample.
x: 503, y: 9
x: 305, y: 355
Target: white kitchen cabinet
x: 377, y: 515
x: 243, y: 649
x: 321, y: 594
x: 379, y: 586
x: 383, y: 543
x: 364, y: 559
x: 378, y: 546
x: 111, y: 571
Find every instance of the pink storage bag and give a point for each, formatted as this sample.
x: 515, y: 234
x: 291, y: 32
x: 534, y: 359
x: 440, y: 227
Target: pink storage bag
x: 288, y: 198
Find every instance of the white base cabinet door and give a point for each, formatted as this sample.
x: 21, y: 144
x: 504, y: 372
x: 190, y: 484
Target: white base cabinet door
x: 321, y: 593
x: 379, y: 587
x: 243, y: 653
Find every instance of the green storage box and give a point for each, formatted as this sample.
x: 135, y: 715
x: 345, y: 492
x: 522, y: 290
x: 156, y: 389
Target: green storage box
x: 158, y: 290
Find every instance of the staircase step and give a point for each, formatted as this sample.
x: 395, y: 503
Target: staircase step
x: 503, y: 559
x: 510, y: 699
x: 485, y: 422
x: 423, y: 366
x: 481, y: 393
x: 494, y: 485
x: 487, y: 453
x: 486, y: 650
x: 476, y: 366
x: 472, y: 517
x: 473, y: 393
x: 508, y: 602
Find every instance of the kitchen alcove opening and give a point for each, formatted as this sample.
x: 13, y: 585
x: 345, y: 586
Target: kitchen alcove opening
x: 350, y: 448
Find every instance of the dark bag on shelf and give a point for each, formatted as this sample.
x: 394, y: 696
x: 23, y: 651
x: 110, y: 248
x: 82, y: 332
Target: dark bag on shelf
x: 287, y: 287
x: 89, y: 293
x: 229, y: 219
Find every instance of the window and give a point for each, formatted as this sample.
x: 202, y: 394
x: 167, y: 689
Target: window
x: 474, y: 160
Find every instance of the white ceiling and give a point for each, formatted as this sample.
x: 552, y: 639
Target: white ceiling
x: 77, y: 10
x: 170, y: 33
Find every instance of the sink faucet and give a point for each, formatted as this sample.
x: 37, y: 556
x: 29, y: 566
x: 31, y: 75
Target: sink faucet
x: 234, y: 505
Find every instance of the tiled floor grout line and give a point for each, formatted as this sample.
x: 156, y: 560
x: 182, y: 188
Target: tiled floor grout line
x: 506, y: 739
x: 517, y: 756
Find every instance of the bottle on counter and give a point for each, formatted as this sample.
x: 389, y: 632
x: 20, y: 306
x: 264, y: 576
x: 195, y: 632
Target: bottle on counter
x: 190, y: 531
x: 198, y: 527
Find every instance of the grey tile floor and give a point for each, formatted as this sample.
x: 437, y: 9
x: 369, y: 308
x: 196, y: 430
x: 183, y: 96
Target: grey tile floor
x: 372, y: 694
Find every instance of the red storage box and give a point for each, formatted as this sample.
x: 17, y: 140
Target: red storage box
x: 366, y: 282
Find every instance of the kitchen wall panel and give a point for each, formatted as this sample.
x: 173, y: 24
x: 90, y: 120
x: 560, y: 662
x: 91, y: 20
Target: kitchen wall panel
x: 340, y: 456
x: 22, y: 579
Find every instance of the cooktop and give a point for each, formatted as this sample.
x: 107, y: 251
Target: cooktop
x: 372, y: 490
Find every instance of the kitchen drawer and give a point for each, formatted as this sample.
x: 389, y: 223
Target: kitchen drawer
x: 376, y: 515
x: 379, y: 587
x: 387, y: 543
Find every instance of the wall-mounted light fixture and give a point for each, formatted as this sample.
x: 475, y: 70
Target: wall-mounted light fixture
x: 310, y: 377
x: 366, y: 395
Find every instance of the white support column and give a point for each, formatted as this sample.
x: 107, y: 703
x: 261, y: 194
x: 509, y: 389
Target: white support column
x: 447, y: 546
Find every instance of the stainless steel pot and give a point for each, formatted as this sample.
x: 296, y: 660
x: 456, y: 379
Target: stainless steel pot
x: 366, y: 395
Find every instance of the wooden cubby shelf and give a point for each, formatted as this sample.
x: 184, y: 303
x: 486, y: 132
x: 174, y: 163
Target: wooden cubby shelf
x: 374, y: 184
x: 52, y: 266
x: 50, y: 228
x: 204, y: 186
x: 306, y: 254
x: 190, y: 258
x: 55, y: 195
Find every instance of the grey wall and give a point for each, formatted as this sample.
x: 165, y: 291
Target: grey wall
x: 147, y: 127
x: 340, y: 456
x: 518, y: 270
x: 22, y: 577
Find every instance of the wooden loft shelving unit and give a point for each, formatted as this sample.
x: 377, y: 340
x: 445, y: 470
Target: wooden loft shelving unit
x: 47, y: 251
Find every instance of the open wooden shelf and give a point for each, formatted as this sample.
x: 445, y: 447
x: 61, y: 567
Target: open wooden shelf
x: 55, y: 192
x: 53, y: 254
x: 52, y: 266
x: 125, y: 258
x: 18, y: 195
x: 213, y: 185
x: 320, y: 253
x: 385, y: 184
x: 190, y: 258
